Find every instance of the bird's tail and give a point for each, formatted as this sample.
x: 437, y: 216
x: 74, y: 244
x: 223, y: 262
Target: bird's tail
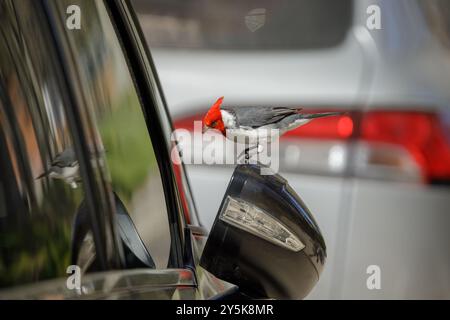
x: 321, y: 115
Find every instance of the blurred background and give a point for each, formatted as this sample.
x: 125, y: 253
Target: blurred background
x: 378, y: 178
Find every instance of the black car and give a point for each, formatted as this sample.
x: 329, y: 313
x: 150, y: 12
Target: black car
x: 92, y: 205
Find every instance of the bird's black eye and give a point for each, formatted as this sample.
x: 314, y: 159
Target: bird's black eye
x: 213, y: 124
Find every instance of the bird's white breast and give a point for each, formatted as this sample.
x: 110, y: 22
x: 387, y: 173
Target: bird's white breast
x: 228, y: 119
x: 66, y: 173
x: 248, y: 135
x: 262, y: 134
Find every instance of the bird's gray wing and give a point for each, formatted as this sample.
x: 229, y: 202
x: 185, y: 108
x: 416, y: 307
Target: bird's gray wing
x: 255, y: 117
x: 67, y: 158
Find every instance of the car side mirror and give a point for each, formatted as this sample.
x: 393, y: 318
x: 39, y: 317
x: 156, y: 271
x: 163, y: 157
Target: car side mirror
x: 264, y: 239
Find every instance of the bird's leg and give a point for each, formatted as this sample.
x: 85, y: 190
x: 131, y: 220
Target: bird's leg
x: 246, y: 153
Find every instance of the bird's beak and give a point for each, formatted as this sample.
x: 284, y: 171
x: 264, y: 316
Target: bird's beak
x: 205, y: 128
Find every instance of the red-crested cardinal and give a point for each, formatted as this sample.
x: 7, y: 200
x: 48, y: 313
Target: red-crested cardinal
x: 256, y: 124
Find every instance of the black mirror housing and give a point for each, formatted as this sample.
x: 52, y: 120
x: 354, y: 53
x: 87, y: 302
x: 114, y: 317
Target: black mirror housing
x: 264, y: 239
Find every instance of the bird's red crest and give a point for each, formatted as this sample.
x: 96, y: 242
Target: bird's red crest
x: 213, y: 113
x: 213, y: 118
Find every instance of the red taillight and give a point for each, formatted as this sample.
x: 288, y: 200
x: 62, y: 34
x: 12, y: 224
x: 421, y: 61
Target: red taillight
x: 187, y: 122
x: 419, y: 135
x: 345, y: 127
x: 340, y: 127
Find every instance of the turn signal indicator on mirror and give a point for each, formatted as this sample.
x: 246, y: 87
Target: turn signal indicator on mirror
x: 252, y: 219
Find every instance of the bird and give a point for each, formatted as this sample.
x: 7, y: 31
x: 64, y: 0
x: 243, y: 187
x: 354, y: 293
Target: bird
x: 256, y: 125
x: 65, y: 167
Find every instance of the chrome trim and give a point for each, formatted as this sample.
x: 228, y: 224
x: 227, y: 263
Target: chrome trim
x: 137, y: 283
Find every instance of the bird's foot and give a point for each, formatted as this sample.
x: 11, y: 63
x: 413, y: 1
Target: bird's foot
x: 246, y: 156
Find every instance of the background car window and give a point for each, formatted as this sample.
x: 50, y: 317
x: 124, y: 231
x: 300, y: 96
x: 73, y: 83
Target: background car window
x: 40, y: 187
x: 206, y: 24
x: 437, y: 13
x: 114, y: 108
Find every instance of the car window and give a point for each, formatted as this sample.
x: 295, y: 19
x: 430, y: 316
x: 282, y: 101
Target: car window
x: 436, y: 14
x: 41, y: 191
x: 234, y: 24
x: 113, y: 107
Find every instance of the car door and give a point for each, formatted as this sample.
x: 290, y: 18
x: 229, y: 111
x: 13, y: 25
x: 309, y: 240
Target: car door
x: 125, y: 104
x: 72, y: 96
x: 45, y: 181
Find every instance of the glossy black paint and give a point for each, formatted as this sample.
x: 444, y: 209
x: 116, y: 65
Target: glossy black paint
x: 262, y: 269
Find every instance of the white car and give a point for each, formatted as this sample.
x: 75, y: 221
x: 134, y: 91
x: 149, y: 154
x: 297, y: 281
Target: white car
x: 378, y: 178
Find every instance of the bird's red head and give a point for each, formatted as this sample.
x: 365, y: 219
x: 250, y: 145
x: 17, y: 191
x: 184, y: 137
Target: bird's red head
x: 213, y: 118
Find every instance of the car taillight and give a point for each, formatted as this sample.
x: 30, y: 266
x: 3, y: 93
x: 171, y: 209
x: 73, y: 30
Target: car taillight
x: 340, y: 127
x: 421, y: 134
x: 382, y: 144
x: 187, y: 122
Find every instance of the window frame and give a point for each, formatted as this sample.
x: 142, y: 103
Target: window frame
x: 107, y: 242
x: 149, y: 91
